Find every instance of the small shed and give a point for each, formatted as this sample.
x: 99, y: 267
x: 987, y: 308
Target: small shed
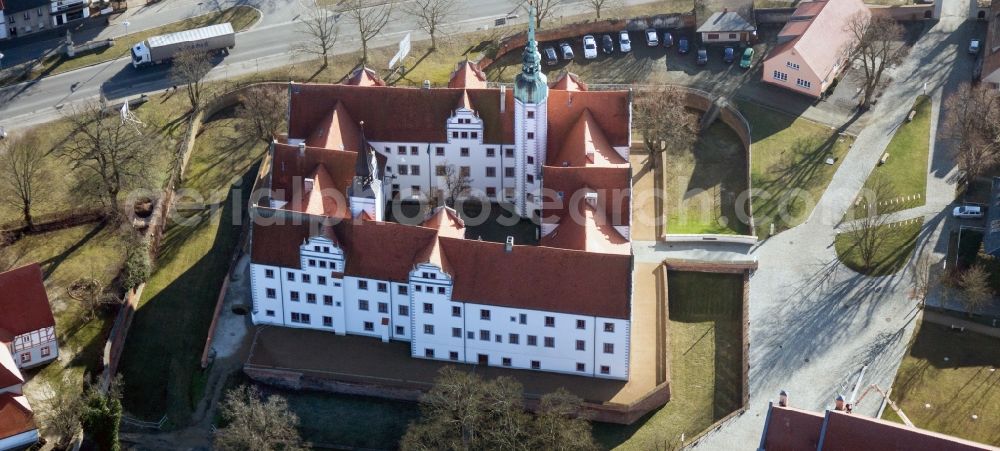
x: 726, y: 26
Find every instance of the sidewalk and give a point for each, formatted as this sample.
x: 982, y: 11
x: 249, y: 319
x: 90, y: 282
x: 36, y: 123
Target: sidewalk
x: 945, y: 320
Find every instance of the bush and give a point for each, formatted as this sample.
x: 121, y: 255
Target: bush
x: 101, y: 419
x: 138, y: 265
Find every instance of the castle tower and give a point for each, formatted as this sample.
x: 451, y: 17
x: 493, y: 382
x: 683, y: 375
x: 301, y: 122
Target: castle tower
x: 366, y: 191
x: 531, y: 92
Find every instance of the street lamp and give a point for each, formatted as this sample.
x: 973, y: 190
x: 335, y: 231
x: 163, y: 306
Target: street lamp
x: 125, y: 23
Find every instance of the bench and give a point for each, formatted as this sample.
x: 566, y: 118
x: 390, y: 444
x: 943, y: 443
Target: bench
x: 911, y: 115
x: 885, y: 157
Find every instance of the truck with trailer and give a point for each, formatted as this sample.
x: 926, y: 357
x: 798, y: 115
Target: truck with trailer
x: 157, y: 49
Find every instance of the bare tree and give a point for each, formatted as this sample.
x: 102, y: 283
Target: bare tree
x: 62, y: 417
x: 559, y: 424
x: 663, y: 121
x: 600, y: 5
x: 112, y: 154
x: 262, y: 111
x: 321, y: 30
x: 975, y: 283
x: 91, y: 294
x: 189, y: 69
x: 370, y: 20
x: 432, y: 14
x: 543, y: 9
x: 973, y: 119
x: 869, y: 231
x: 21, y: 170
x: 920, y: 274
x: 875, y: 45
x: 255, y: 422
x: 456, y: 182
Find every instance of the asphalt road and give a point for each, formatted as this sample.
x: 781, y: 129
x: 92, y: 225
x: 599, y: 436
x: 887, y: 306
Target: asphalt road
x: 268, y: 44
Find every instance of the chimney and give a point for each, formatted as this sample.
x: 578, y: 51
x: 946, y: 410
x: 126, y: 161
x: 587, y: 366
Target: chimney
x: 503, y: 99
x: 309, y: 184
x: 783, y: 399
x: 509, y: 245
x: 839, y: 403
x: 302, y: 149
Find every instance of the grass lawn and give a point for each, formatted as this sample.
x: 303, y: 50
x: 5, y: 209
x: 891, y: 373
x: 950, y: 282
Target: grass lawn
x: 177, y: 304
x: 788, y: 169
x: 906, y: 168
x: 241, y: 17
x: 890, y: 258
x: 942, y: 395
x: 351, y: 421
x: 93, y: 251
x: 702, y: 186
x: 705, y: 361
x: 58, y: 178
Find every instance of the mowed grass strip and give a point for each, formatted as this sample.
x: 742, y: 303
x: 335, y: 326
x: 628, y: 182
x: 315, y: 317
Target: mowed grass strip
x: 945, y: 379
x: 705, y: 363
x: 892, y: 255
x: 788, y: 167
x: 163, y: 351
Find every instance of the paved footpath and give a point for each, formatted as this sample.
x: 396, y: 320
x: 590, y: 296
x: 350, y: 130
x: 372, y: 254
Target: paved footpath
x: 814, y: 324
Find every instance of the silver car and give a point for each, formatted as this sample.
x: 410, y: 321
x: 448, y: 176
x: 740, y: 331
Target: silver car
x: 968, y: 212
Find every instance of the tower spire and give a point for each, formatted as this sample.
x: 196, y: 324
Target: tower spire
x: 531, y: 84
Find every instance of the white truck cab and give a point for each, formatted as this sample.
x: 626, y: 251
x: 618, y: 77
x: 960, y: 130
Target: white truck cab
x: 140, y: 55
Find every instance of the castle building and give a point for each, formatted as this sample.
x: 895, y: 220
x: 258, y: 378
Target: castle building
x: 324, y: 256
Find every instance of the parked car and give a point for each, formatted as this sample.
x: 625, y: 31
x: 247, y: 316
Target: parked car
x: 624, y: 42
x: 589, y: 47
x: 567, y: 50
x: 652, y: 38
x: 702, y: 57
x: 682, y: 46
x: 551, y: 58
x: 968, y: 212
x: 974, y: 47
x: 668, y: 39
x: 747, y: 58
x: 729, y: 55
x: 608, y: 44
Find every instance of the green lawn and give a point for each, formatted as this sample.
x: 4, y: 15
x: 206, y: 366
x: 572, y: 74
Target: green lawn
x: 705, y: 361
x: 177, y: 304
x: 906, y: 168
x: 703, y: 185
x: 892, y: 256
x: 788, y: 166
x: 57, y: 195
x: 942, y: 395
x: 92, y: 251
x: 241, y: 17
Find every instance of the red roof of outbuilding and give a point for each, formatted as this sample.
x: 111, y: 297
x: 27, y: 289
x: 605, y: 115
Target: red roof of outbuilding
x: 791, y: 429
x: 9, y: 374
x: 364, y: 76
x: 24, y: 306
x: 15, y: 415
x: 467, y: 75
x: 331, y: 170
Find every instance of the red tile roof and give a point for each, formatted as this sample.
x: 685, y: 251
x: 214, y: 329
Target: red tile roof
x: 15, y: 415
x: 587, y: 230
x: 540, y: 278
x: 611, y: 183
x: 821, y: 42
x: 9, y: 374
x: 569, y: 81
x: 384, y: 250
x: 467, y: 75
x: 336, y: 131
x: 277, y: 244
x: 364, y: 76
x: 332, y: 170
x: 789, y: 429
x: 24, y: 306
x: 586, y: 145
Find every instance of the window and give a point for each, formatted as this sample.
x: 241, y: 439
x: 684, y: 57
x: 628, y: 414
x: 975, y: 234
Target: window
x: 419, y: 288
x: 388, y: 150
x: 440, y: 290
x: 415, y: 170
x: 269, y: 273
x: 531, y: 135
x: 531, y: 178
x: 609, y: 327
x: 403, y: 169
x: 269, y: 312
x: 400, y: 330
x: 713, y: 36
x: 415, y: 189
x: 439, y: 151
x: 484, y: 314
x: 291, y: 277
x: 491, y: 152
x: 402, y: 289
x: 428, y: 307
x: 465, y: 135
x: 429, y: 353
x: 327, y: 299
x: 470, y: 335
x: 369, y: 326
x: 429, y: 329
x: 536, y: 365
x: 532, y: 340
x: 362, y: 284
x: 484, y: 335
x: 531, y: 114
x: 312, y: 262
x: 509, y: 152
x: 491, y: 171
x: 581, y: 345
x: 305, y: 318
x: 505, y: 361
x: 523, y: 318
x: 780, y: 76
x: 474, y: 135
x: 453, y: 355
x: 581, y: 324
x: 803, y: 83
x: 550, y: 321
x: 321, y: 280
x: 440, y: 171
x: 311, y: 298
x: 605, y: 369
x: 581, y: 367
x: 513, y: 339
x: 404, y: 310
x: 792, y: 65
x: 454, y: 134
x: 465, y: 171
x: 401, y: 150
x: 609, y: 348
x: 508, y: 172
x: 383, y: 287
x: 327, y: 321
x: 306, y: 278
x: 383, y: 307
x: 464, y: 151
x: 456, y: 311
x: 732, y: 35
x: 322, y: 264
x: 498, y: 338
x: 271, y: 293
x: 508, y: 193
x: 26, y: 357
x: 362, y: 305
x: 294, y: 296
x: 491, y: 191
x: 550, y: 342
x: 414, y: 150
x: 456, y: 332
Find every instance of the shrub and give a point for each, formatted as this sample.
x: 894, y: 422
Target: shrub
x: 137, y: 265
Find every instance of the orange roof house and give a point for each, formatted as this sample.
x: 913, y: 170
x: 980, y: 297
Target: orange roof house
x: 27, y: 327
x: 812, y: 46
x: 17, y: 425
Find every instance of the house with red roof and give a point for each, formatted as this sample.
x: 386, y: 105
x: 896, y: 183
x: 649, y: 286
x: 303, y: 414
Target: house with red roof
x: 17, y: 423
x: 813, y: 46
x: 27, y: 328
x: 324, y: 257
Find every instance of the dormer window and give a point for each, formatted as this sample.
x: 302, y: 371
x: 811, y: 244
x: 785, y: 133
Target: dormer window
x: 531, y: 135
x: 531, y: 115
x: 465, y: 135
